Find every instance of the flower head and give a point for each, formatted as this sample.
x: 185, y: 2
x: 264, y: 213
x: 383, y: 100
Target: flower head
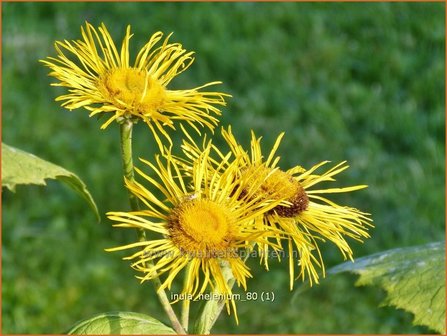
x: 201, y: 225
x: 102, y: 79
x: 304, y: 216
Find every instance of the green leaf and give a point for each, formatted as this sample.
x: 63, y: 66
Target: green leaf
x: 120, y: 323
x: 413, y: 277
x: 19, y: 167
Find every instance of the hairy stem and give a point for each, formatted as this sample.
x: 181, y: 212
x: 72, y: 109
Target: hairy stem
x: 186, y: 303
x: 128, y: 168
x: 212, y: 308
x: 185, y: 314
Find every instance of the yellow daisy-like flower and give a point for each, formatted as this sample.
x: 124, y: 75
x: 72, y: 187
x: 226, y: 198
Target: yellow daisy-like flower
x: 201, y: 225
x: 101, y: 79
x: 307, y: 218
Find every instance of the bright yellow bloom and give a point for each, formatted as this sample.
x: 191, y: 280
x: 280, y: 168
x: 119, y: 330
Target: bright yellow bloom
x: 203, y: 223
x: 307, y: 218
x: 101, y: 79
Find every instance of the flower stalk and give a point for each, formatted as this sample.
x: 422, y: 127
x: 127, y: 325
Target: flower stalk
x: 185, y: 306
x: 212, y: 308
x: 126, y: 154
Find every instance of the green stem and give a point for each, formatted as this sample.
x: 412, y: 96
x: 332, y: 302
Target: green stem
x: 213, y: 308
x: 185, y: 314
x: 126, y: 154
x: 185, y: 305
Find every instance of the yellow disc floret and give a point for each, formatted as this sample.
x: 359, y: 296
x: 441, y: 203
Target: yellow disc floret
x: 134, y: 90
x: 201, y: 226
x: 279, y: 185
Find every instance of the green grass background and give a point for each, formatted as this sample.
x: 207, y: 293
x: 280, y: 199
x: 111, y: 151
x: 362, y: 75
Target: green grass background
x: 346, y: 81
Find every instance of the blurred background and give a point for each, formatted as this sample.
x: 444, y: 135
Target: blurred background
x: 345, y: 81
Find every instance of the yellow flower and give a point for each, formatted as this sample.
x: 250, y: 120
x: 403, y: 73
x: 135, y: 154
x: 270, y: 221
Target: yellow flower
x: 202, y: 224
x: 305, y: 217
x: 309, y: 218
x: 101, y: 79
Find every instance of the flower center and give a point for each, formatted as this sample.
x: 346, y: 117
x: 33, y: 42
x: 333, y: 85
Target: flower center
x: 200, y: 226
x: 133, y: 90
x: 279, y: 185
